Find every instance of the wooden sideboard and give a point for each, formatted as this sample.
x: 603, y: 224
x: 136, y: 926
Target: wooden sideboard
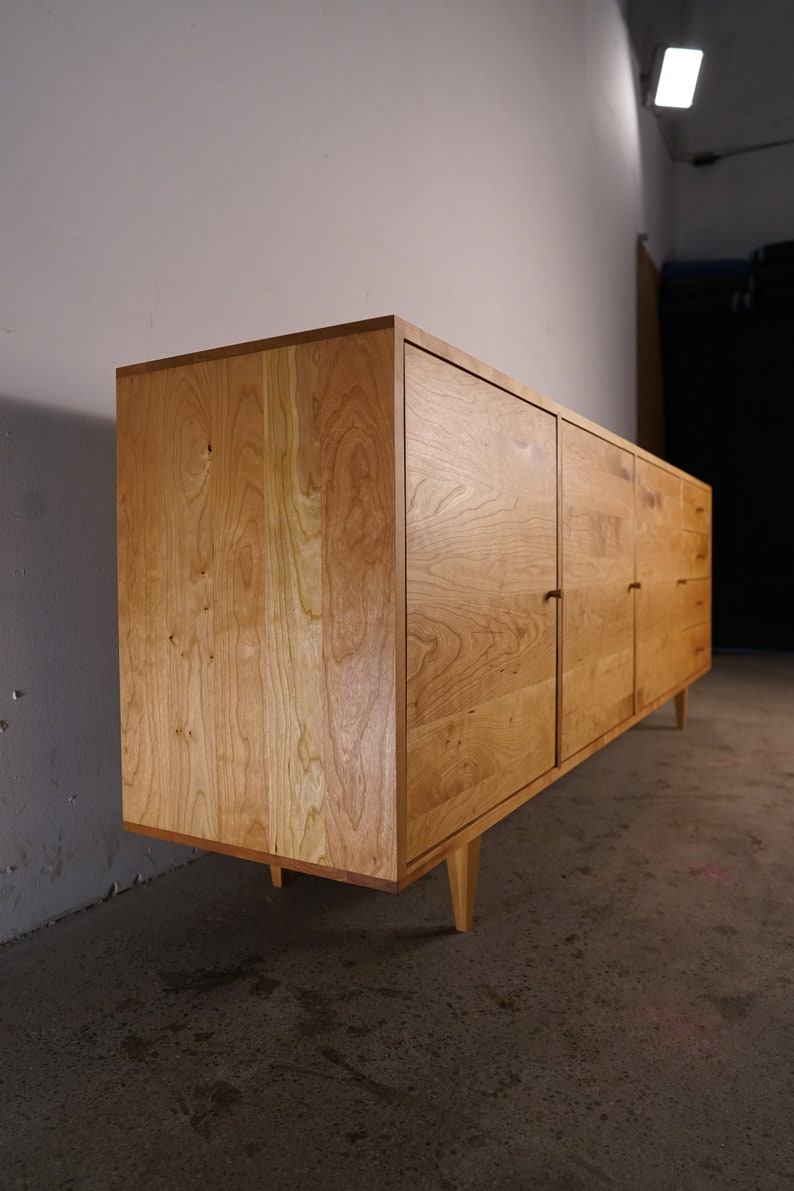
x: 374, y: 595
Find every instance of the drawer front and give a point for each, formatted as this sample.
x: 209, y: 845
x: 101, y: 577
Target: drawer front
x: 695, y: 649
x: 695, y: 602
x: 696, y: 508
x: 695, y: 555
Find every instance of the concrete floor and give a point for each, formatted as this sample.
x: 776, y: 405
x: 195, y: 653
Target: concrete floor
x: 621, y: 1016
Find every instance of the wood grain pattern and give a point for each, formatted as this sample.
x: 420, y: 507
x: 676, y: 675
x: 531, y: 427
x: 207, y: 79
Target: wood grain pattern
x: 695, y: 507
x: 239, y: 600
x: 427, y: 860
x: 598, y: 663
x: 298, y: 866
x: 681, y: 703
x: 673, y: 563
x: 463, y: 766
x: 400, y: 610
x: 480, y: 560
x: 659, y: 664
x: 141, y: 776
x: 257, y: 601
x: 294, y: 726
x: 695, y: 602
x: 460, y: 359
x: 695, y: 555
x: 658, y: 570
x: 257, y: 346
x: 658, y: 523
x: 407, y: 332
x: 462, y: 867
x: 140, y: 782
x: 187, y: 561
x: 597, y: 573
x: 165, y: 621
x: 190, y: 542
x: 465, y: 651
x: 695, y: 649
x: 355, y: 386
x: 339, y: 660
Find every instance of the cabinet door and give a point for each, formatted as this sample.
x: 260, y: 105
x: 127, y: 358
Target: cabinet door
x: 659, y: 603
x: 481, y: 549
x: 597, y: 574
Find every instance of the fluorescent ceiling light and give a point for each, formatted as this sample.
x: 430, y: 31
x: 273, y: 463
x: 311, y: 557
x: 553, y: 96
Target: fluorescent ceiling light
x: 676, y: 85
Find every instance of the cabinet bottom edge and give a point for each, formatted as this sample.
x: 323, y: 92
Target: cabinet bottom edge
x: 300, y: 866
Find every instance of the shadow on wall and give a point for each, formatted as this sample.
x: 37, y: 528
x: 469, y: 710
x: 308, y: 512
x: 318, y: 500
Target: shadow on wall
x: 62, y: 845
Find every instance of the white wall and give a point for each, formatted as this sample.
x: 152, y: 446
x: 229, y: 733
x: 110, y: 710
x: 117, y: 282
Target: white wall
x: 193, y: 173
x: 729, y: 208
x: 744, y: 98
x: 61, y: 840
x: 186, y: 174
x: 658, y: 191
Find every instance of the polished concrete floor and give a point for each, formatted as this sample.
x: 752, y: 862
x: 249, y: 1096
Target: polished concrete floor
x: 621, y: 1015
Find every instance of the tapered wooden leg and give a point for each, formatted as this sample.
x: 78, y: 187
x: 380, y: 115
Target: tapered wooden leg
x: 277, y: 875
x: 462, y: 868
x: 680, y: 707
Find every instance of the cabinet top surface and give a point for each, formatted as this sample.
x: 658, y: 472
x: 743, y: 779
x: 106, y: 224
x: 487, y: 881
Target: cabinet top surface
x: 409, y: 333
x: 258, y: 345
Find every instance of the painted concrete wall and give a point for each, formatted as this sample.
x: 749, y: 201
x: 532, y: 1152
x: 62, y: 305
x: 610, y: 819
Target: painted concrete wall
x: 743, y: 99
x: 729, y: 208
x: 196, y: 173
x: 61, y: 839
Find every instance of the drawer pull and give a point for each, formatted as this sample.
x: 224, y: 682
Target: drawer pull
x: 635, y: 586
x: 700, y: 509
x: 555, y: 595
x: 701, y: 557
x: 680, y: 581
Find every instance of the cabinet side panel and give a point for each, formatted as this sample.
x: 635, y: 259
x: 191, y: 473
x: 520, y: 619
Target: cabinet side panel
x: 165, y: 612
x: 139, y: 761
x: 293, y: 576
x: 356, y: 394
x: 239, y: 600
x: 598, y: 603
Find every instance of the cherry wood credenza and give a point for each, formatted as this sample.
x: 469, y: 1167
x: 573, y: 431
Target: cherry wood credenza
x: 374, y: 595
